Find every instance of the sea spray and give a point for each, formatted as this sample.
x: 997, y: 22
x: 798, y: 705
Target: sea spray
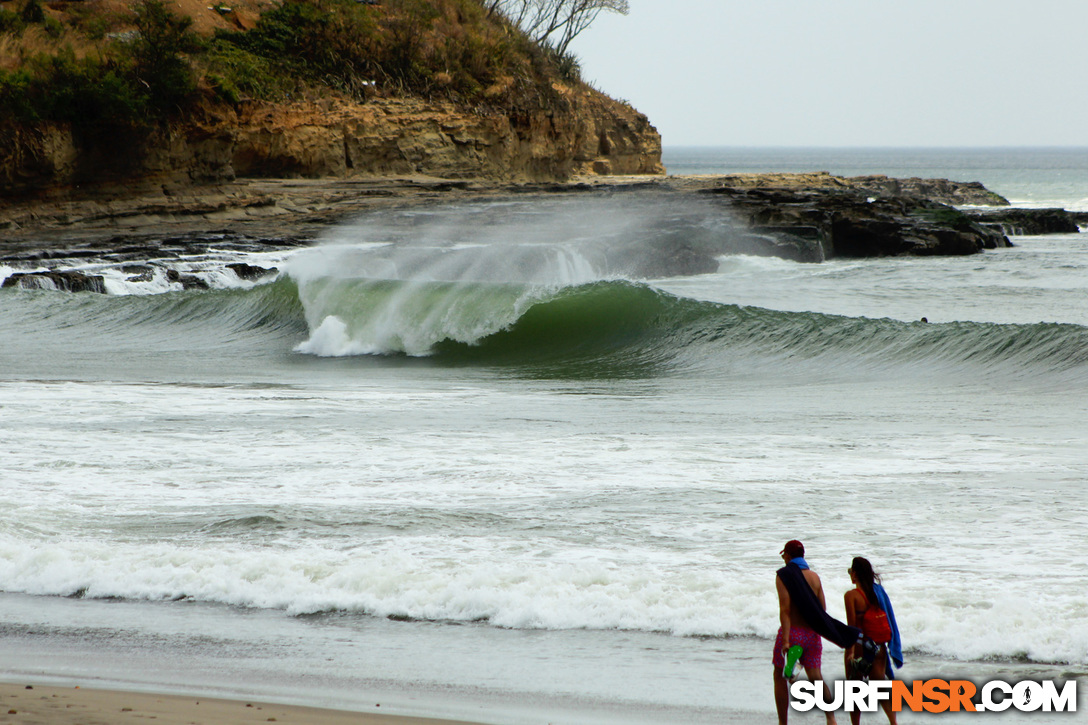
x: 405, y: 281
x: 446, y: 296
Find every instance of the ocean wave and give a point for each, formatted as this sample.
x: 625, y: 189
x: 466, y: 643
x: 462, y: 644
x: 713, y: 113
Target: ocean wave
x: 604, y: 327
x: 634, y: 324
x: 269, y: 307
x: 400, y: 582
x: 377, y: 316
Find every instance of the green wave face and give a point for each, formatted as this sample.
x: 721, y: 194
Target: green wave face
x: 620, y: 327
x: 51, y: 333
x: 638, y: 328
x: 624, y: 328
x: 596, y: 328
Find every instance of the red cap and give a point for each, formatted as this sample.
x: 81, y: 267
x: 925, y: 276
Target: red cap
x: 793, y: 549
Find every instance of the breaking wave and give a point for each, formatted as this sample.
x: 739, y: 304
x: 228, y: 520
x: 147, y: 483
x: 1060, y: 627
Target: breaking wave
x: 619, y: 326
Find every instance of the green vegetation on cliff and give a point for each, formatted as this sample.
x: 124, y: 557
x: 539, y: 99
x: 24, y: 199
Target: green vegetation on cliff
x: 99, y: 66
x: 145, y: 77
x: 449, y: 48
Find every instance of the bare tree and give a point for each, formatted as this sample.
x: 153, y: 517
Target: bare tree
x: 554, y: 22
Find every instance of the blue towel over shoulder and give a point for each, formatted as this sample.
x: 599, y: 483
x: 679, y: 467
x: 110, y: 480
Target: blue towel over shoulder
x: 895, y: 646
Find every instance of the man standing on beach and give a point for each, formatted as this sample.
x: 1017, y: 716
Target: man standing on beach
x: 804, y: 620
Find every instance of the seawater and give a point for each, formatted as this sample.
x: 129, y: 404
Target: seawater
x: 459, y: 455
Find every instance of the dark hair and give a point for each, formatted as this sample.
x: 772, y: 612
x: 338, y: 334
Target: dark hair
x: 863, y: 572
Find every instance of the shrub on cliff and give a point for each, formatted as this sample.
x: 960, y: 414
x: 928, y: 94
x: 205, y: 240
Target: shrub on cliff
x: 124, y: 84
x: 446, y: 48
x: 105, y: 68
x: 159, y: 57
x: 319, y: 43
x: 10, y: 22
x: 84, y: 91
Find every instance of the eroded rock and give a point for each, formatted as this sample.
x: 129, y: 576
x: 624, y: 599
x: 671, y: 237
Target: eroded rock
x: 251, y: 272
x: 64, y: 280
x: 850, y: 223
x: 1018, y: 222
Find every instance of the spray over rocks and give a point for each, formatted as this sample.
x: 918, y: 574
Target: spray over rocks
x: 407, y: 280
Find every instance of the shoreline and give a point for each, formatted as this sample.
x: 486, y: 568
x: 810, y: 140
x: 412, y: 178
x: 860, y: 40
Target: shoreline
x: 48, y: 704
x: 254, y: 200
x: 362, y: 668
x: 355, y: 663
x: 76, y: 705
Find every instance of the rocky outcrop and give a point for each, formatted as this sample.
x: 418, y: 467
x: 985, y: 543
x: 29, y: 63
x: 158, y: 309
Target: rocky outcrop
x: 1017, y: 222
x: 943, y: 191
x: 251, y: 272
x: 586, y: 133
x: 187, y: 281
x: 64, y: 280
x: 824, y: 223
x: 660, y: 227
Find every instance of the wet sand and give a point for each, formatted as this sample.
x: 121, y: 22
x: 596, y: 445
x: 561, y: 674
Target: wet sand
x: 43, y: 705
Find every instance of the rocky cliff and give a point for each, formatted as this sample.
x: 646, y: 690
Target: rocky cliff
x: 592, y: 134
x: 127, y: 94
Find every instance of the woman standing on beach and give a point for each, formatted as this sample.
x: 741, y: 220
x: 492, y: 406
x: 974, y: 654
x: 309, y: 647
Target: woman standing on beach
x: 868, y: 609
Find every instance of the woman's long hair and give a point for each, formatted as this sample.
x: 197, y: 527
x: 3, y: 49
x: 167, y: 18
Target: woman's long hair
x: 866, y: 577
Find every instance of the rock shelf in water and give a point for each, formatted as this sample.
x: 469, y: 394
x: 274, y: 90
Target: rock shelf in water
x: 804, y: 217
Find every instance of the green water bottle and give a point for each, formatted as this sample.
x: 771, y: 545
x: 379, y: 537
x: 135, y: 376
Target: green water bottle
x: 792, y: 655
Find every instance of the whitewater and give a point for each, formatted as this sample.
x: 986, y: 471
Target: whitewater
x: 464, y: 452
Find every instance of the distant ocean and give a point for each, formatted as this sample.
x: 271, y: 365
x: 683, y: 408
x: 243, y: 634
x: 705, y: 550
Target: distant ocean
x: 456, y: 466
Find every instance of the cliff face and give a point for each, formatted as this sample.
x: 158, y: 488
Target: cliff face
x: 336, y: 138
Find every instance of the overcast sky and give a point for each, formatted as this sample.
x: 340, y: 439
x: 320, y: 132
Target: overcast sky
x: 848, y: 72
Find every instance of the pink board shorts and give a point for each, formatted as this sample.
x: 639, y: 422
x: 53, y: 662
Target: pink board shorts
x: 809, y: 641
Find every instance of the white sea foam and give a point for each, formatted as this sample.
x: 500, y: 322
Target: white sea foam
x: 331, y: 339
x: 152, y: 276
x: 420, y: 503
x: 406, y: 579
x: 1077, y: 204
x: 117, y: 282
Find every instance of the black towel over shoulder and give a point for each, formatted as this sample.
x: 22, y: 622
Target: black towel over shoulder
x: 819, y: 621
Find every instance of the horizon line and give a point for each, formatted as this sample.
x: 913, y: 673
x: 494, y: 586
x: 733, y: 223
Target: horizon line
x: 863, y: 147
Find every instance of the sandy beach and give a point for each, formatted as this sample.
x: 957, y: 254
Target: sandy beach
x: 35, y: 704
